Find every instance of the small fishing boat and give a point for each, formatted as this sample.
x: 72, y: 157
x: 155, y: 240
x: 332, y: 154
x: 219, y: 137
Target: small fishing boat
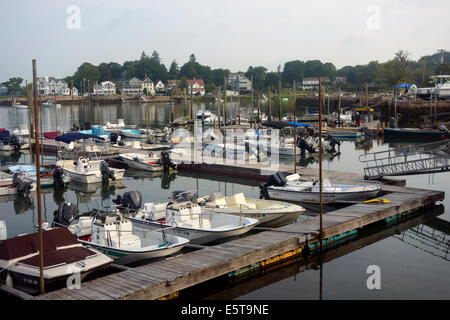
x: 15, y: 184
x: 84, y: 169
x: 137, y: 134
x: 48, y: 177
x: 147, y: 162
x: 50, y: 104
x: 353, y: 133
x: 207, y: 117
x: 291, y: 188
x: 10, y: 142
x: 415, y: 134
x: 117, y: 127
x: 21, y: 132
x: 187, y: 220
x: 118, y: 238
x: 270, y: 213
x: 63, y: 255
x: 18, y: 105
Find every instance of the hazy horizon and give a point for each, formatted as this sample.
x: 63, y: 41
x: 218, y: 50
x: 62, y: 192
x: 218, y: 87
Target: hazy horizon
x: 232, y: 35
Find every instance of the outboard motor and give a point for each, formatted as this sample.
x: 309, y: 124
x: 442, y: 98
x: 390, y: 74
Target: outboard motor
x: 166, y: 162
x: 14, y: 141
x: 58, y: 176
x: 130, y: 201
x: 303, y: 145
x: 65, y: 214
x: 106, y: 172
x: 114, y: 137
x: 277, y: 179
x: 22, y: 184
x: 333, y: 141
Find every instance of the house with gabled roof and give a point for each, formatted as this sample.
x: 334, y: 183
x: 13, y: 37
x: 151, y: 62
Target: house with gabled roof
x: 197, y: 85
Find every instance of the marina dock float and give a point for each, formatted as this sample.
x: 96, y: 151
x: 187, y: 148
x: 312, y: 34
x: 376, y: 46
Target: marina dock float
x: 248, y: 253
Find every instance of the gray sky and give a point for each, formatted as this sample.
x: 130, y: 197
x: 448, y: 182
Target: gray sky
x: 232, y: 34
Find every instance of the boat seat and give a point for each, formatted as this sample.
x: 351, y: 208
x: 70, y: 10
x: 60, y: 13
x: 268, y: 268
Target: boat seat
x: 217, y: 203
x: 236, y: 199
x: 126, y: 239
x: 84, y: 226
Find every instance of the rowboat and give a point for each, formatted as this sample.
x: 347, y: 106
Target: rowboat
x: 353, y: 133
x: 291, y: 188
x: 147, y: 162
x: 137, y: 134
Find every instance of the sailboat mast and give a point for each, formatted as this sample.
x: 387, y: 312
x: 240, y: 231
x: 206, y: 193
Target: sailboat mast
x: 38, y: 181
x: 320, y: 158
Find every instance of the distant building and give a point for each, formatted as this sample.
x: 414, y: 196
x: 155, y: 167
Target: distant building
x: 105, y: 88
x: 173, y: 87
x: 239, y: 82
x: 49, y: 86
x: 312, y: 83
x: 148, y: 85
x: 198, y: 87
x: 160, y: 87
x: 132, y: 87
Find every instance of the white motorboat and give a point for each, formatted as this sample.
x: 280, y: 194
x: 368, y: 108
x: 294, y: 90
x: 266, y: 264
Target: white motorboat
x: 187, y: 220
x: 63, y: 256
x: 21, y: 132
x: 207, y: 117
x: 10, y: 142
x: 50, y: 104
x: 442, y: 88
x: 117, y: 127
x: 147, y: 162
x: 270, y: 213
x: 85, y: 170
x: 48, y: 178
x: 117, y: 237
x: 291, y: 188
x: 18, y: 183
x: 136, y: 134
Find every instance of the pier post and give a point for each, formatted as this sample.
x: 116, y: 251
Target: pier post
x: 38, y: 181
x: 320, y: 159
x: 295, y: 131
x: 270, y: 106
x: 251, y: 105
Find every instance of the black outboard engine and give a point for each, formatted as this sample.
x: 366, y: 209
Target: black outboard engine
x: 106, y: 172
x: 14, y: 141
x: 58, y: 176
x: 114, y: 137
x: 333, y: 141
x: 22, y: 184
x: 130, y: 201
x: 166, y: 162
x: 303, y: 145
x: 65, y: 214
x: 277, y: 179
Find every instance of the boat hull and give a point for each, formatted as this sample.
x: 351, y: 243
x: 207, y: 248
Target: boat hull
x: 196, y: 236
x: 327, y: 197
x: 398, y: 134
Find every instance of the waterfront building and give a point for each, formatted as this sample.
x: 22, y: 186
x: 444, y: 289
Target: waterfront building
x: 132, y: 87
x: 105, y: 88
x: 173, y: 86
x: 160, y: 87
x: 198, y: 87
x: 239, y: 82
x: 148, y: 85
x: 312, y: 83
x: 49, y: 86
x: 3, y: 90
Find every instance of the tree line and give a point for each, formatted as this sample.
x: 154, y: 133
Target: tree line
x: 379, y: 76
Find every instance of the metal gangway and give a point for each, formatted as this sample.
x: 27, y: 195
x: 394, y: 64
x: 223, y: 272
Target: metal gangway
x: 408, y: 159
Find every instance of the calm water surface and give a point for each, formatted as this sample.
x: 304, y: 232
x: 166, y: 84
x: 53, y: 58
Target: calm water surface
x: 414, y: 262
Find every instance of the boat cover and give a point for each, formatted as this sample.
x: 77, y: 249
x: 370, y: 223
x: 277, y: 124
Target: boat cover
x: 29, y: 243
x: 51, y: 135
x: 69, y: 137
x: 4, y: 134
x: 298, y: 124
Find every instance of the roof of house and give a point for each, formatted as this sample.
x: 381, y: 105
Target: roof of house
x: 199, y: 81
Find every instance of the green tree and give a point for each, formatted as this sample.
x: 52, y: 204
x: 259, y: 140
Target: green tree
x: 259, y: 74
x: 86, y: 74
x: 174, y: 71
x: 155, y: 56
x: 272, y: 79
x: 293, y: 70
x: 13, y: 84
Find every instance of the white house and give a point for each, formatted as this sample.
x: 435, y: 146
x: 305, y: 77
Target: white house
x: 239, y: 82
x: 311, y: 83
x: 198, y: 87
x: 132, y: 87
x: 105, y: 88
x: 52, y: 86
x: 160, y: 87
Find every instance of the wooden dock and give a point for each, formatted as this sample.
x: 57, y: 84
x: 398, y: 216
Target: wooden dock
x: 168, y: 276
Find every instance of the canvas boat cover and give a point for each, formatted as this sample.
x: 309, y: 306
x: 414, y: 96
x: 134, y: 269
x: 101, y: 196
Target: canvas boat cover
x: 69, y: 137
x: 29, y: 243
x: 51, y: 135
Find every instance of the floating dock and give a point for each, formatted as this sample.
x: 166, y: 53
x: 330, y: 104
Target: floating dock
x: 165, y: 278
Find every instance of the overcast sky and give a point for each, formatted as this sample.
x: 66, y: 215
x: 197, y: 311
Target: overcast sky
x: 232, y: 34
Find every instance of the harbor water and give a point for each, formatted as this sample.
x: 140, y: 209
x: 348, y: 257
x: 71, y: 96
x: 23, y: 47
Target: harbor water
x: 414, y: 263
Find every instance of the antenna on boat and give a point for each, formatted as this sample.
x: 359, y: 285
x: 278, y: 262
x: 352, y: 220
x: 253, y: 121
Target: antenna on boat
x: 38, y: 178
